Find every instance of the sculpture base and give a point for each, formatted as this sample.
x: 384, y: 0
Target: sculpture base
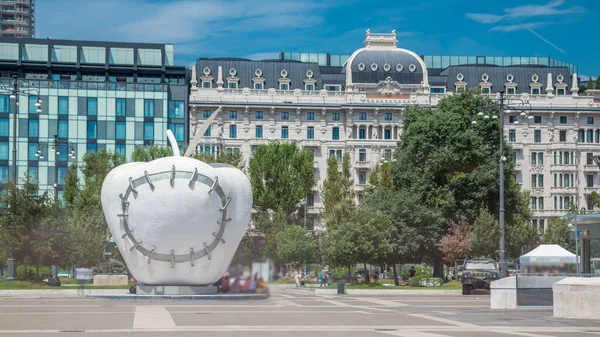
x: 176, y: 290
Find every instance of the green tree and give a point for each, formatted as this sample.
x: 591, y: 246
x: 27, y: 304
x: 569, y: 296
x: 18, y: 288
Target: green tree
x: 72, y: 185
x: 380, y: 176
x: 150, y: 153
x: 590, y: 84
x: 295, y: 245
x: 582, y: 89
x: 456, y: 244
x: 451, y: 165
x: 281, y: 175
x: 597, y: 82
x: 557, y: 232
x: 248, y: 250
x: 367, y: 236
x: 337, y: 195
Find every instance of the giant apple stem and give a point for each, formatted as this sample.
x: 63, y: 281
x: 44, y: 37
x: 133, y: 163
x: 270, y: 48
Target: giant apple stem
x: 173, y: 142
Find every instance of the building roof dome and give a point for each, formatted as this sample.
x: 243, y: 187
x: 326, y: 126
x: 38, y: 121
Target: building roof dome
x: 380, y: 59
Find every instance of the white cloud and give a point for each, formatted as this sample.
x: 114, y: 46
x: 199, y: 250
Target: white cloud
x: 527, y: 11
x: 519, y: 26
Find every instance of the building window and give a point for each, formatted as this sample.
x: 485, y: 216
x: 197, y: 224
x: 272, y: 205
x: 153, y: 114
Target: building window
x: 335, y: 133
x: 335, y: 116
x: 562, y: 119
x: 387, y: 134
x: 148, y: 131
x: 233, y: 131
x: 333, y: 153
x: 437, y: 90
x: 32, y: 107
x: 33, y: 174
x: 540, y: 202
x: 285, y: 132
x: 512, y: 136
x: 537, y: 136
x: 232, y: 114
x: 3, y: 174
x: 510, y: 91
x: 121, y: 107
x: 485, y: 91
x: 63, y: 129
x: 362, y: 116
x: 178, y: 130
x: 309, y: 87
x: 92, y: 106
x: 32, y: 153
x: 310, y: 116
x: 310, y: 132
x: 232, y: 85
x: 206, y: 84
x: 597, y: 136
x: 120, y: 149
x: 535, y: 91
x: 120, y: 130
x: 362, y: 133
x: 206, y: 113
x: 4, y: 150
x: 537, y: 119
x: 33, y: 128
x: 63, y: 105
x: 208, y: 131
x: 580, y: 135
x: 285, y: 116
x: 310, y: 200
x: 589, y: 136
x: 330, y: 87
x: 284, y: 86
x: 258, y: 86
x: 589, y: 158
x: 148, y: 108
x: 560, y: 92
x: 176, y: 109
x: 362, y: 155
x: 562, y: 135
x: 590, y: 180
x: 4, y: 127
x: 258, y: 115
x: 590, y: 204
x: 362, y: 177
x: 92, y: 148
x: 590, y: 120
x: 388, y: 116
x: 533, y: 203
x: 92, y: 130
x: 512, y: 119
x: 258, y: 131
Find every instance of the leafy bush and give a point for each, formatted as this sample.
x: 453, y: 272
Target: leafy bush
x: 426, y: 281
x: 45, y: 272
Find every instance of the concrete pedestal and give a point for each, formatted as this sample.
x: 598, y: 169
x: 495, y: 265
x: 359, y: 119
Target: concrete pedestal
x: 577, y: 297
x: 503, y: 293
x: 176, y: 290
x: 110, y: 280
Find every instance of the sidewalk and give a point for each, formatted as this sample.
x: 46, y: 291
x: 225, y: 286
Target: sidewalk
x: 371, y: 292
x: 61, y: 293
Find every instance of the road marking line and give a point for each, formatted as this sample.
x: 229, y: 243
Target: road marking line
x: 347, y: 305
x: 151, y: 317
x: 446, y: 313
x: 444, y: 320
x: 383, y: 302
x: 411, y: 333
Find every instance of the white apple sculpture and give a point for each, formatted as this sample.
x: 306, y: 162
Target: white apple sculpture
x: 177, y: 220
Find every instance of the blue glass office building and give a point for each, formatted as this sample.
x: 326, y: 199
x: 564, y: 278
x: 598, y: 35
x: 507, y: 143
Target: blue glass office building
x: 94, y: 95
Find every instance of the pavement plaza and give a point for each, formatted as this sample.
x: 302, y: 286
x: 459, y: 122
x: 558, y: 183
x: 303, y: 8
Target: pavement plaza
x: 290, y: 313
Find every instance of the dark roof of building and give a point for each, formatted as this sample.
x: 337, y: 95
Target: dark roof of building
x: 373, y: 66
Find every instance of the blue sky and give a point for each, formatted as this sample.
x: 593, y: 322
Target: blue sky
x: 568, y: 30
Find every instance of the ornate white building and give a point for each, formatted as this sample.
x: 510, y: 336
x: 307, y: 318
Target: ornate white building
x: 332, y: 104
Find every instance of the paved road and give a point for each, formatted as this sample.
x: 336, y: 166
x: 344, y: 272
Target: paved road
x: 287, y: 313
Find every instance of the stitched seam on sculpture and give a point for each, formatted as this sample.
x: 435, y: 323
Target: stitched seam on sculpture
x: 173, y: 175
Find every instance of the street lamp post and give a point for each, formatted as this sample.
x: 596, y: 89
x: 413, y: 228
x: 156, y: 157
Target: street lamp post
x: 502, y: 160
x: 55, y: 147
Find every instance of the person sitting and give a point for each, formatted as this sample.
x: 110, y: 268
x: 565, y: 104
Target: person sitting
x: 224, y: 287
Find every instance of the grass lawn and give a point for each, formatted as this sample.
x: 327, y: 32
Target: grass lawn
x: 29, y: 285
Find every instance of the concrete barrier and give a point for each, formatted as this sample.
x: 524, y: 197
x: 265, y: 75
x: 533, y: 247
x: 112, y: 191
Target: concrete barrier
x: 110, y: 280
x: 577, y: 297
x: 503, y: 293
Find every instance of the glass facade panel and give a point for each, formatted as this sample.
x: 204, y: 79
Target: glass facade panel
x: 9, y: 51
x: 121, y: 107
x: 92, y: 130
x: 92, y: 148
x: 35, y: 52
x: 4, y: 127
x: 33, y: 129
x: 32, y: 149
x: 93, y: 55
x: 176, y: 109
x: 66, y: 54
x: 32, y: 107
x: 148, y: 108
x: 120, y: 130
x: 63, y: 129
x: 4, y: 151
x: 120, y: 149
x: 149, y: 57
x: 92, y: 106
x: 4, y: 103
x: 148, y: 131
x: 63, y: 105
x: 121, y: 56
x: 3, y: 174
x: 33, y: 174
x: 179, y: 131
